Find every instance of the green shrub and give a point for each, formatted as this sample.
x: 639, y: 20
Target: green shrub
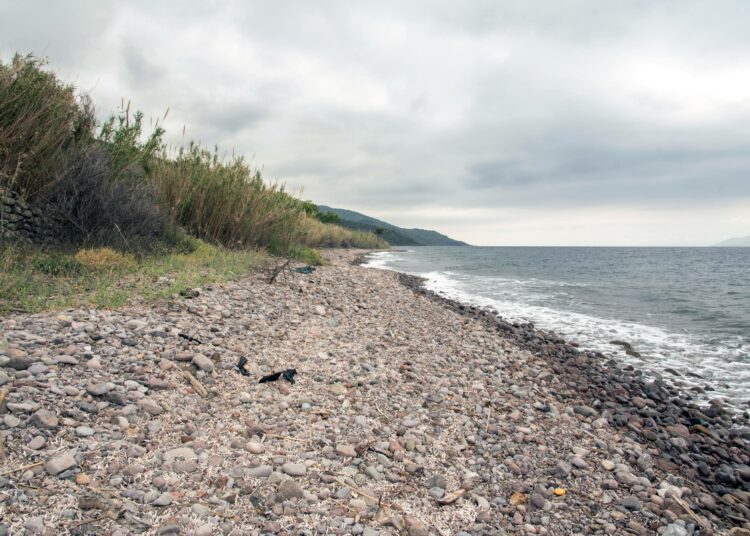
x: 306, y: 255
x: 94, y: 208
x: 120, y: 187
x: 32, y: 280
x: 91, y: 186
x: 55, y: 264
x: 122, y: 137
x: 40, y: 120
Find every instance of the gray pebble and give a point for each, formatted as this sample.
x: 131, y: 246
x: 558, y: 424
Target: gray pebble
x: 294, y: 469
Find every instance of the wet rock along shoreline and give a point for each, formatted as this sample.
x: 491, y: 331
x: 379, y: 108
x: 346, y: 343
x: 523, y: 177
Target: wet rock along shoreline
x: 710, y: 445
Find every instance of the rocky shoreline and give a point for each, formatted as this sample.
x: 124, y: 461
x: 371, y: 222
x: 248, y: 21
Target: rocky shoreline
x: 404, y: 418
x: 707, y: 445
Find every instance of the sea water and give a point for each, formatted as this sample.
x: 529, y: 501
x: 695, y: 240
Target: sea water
x: 684, y: 310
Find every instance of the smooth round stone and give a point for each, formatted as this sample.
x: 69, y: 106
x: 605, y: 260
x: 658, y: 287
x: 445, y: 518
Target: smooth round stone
x: 99, y: 389
x: 38, y: 368
x: 255, y: 447
x: 357, y: 505
x: 84, y: 431
x: 37, y: 443
x: 436, y: 492
x: 185, y: 466
x: 607, y: 465
x: 372, y: 472
x: 537, y: 500
x: 204, y: 530
x: 631, y: 502
x: 410, y: 421
x: 262, y: 471
x: 215, y: 460
x: 165, y: 499
x: 200, y: 510
x: 11, y: 421
x: 578, y: 462
x: 346, y: 451
x: 294, y: 469
x: 34, y: 525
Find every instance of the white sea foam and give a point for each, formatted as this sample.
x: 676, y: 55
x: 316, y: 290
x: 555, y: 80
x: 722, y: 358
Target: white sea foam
x: 719, y: 367
x: 660, y: 349
x: 381, y: 259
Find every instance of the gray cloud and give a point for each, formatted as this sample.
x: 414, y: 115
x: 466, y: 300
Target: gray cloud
x: 138, y: 69
x: 421, y: 109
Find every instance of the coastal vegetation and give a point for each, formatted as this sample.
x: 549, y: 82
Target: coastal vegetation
x: 34, y: 280
x: 117, y: 185
x: 396, y: 236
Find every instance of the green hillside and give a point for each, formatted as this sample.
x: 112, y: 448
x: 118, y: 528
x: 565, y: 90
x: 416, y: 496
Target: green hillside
x: 394, y: 235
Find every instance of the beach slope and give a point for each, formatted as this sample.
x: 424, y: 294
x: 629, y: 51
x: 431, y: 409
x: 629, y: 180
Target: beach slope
x: 407, y: 415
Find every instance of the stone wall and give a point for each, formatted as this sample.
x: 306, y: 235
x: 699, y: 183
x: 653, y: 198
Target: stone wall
x: 21, y: 222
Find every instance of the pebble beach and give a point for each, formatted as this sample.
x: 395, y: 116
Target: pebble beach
x: 409, y: 414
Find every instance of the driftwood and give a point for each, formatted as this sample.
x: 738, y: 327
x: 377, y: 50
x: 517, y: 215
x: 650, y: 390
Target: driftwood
x: 197, y: 387
x: 452, y: 497
x: 277, y: 270
x: 359, y: 491
x: 698, y: 519
x: 84, y: 522
x: 3, y: 394
x: 22, y: 468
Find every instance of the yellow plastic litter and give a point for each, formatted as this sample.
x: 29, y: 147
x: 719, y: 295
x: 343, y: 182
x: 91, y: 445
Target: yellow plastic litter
x: 559, y: 492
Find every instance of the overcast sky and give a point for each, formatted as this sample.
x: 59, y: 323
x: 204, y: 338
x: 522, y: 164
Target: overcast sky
x: 565, y: 122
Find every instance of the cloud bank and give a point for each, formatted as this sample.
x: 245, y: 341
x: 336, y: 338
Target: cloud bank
x: 513, y: 122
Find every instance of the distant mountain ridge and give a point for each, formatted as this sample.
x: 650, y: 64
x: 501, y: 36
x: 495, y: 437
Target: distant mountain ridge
x: 738, y: 242
x: 394, y: 235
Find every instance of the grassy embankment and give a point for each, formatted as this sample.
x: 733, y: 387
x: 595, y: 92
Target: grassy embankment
x: 33, y: 280
x: 134, y: 219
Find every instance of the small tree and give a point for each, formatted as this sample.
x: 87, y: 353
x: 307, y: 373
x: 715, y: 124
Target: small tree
x: 329, y: 217
x: 311, y: 209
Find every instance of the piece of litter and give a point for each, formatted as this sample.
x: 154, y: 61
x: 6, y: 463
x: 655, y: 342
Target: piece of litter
x: 189, y: 338
x: 287, y: 374
x: 305, y: 269
x: 240, y: 366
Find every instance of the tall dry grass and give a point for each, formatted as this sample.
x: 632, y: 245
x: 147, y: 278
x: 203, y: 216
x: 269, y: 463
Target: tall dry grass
x: 41, y: 120
x: 226, y: 203
x: 313, y: 232
x: 119, y: 186
x: 229, y: 203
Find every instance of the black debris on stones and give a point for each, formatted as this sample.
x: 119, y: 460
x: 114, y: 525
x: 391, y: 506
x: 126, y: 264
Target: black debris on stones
x: 240, y: 366
x: 287, y: 374
x: 305, y: 270
x: 189, y: 338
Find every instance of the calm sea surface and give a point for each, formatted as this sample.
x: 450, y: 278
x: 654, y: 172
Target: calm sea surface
x: 687, y: 309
